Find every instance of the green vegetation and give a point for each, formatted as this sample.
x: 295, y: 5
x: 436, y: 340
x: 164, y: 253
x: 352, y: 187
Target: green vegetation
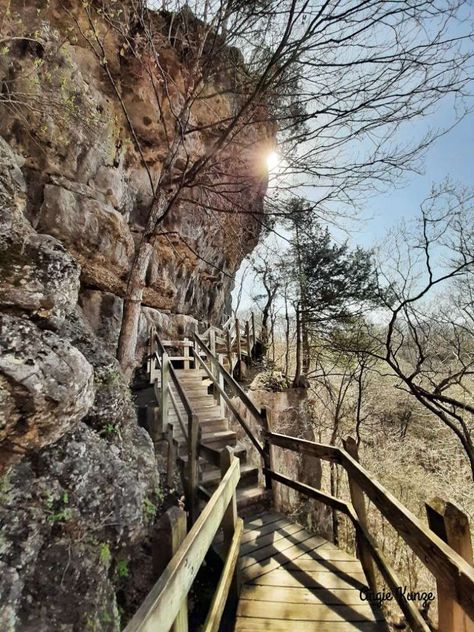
x: 122, y: 569
x: 104, y: 553
x: 149, y: 508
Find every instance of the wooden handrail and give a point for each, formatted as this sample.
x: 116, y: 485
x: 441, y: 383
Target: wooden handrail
x: 408, y: 608
x: 440, y: 559
x: 193, y: 429
x: 181, y: 393
x: 231, y: 406
x: 229, y: 379
x: 163, y: 602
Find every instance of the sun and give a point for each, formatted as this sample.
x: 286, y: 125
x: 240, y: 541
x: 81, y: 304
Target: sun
x: 273, y: 160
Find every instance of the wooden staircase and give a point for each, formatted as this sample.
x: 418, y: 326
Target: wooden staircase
x: 215, y: 436
x: 191, y: 414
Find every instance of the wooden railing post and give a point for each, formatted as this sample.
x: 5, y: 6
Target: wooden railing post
x: 267, y: 447
x: 254, y: 335
x: 229, y: 521
x: 239, y: 344
x: 186, y: 353
x: 452, y: 526
x: 168, y: 535
x: 214, y: 369
x: 229, y: 351
x: 164, y: 397
x: 172, y: 454
x: 193, y: 466
x: 249, y: 344
x: 212, y: 341
x: 220, y: 380
x: 358, y: 502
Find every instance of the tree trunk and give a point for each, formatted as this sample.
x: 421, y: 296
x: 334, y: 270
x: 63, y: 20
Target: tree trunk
x: 297, y: 379
x: 127, y: 342
x: 287, y: 338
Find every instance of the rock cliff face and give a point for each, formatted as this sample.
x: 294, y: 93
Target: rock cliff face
x: 80, y: 485
x: 85, y: 182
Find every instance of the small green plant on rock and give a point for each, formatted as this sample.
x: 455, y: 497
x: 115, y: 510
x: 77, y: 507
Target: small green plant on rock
x: 149, y: 508
x: 108, y: 430
x: 62, y: 512
x: 104, y: 553
x: 122, y: 569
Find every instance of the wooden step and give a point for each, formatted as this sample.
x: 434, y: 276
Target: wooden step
x: 248, y: 477
x: 204, y: 465
x: 249, y: 498
x: 202, y: 415
x: 206, y: 431
x: 213, y: 454
x: 219, y: 439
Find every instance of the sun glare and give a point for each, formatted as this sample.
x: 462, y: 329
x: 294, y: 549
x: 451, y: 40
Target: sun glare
x: 273, y: 159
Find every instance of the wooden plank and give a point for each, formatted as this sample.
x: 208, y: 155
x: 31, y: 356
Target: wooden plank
x: 163, y: 602
x: 278, y: 558
x: 305, y: 612
x: 220, y: 597
x: 334, y: 566
x: 265, y: 517
x: 250, y: 624
x: 329, y: 581
x: 301, y: 541
x: 252, y: 534
x: 293, y: 594
x: 319, y: 450
x: 445, y: 564
x: 249, y: 548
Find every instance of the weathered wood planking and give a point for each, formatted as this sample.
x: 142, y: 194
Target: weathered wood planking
x: 296, y: 581
x: 449, y: 568
x: 251, y: 624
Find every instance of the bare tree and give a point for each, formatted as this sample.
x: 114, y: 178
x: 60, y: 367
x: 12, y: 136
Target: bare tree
x: 428, y: 342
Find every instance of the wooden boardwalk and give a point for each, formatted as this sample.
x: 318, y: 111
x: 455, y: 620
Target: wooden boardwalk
x: 293, y: 581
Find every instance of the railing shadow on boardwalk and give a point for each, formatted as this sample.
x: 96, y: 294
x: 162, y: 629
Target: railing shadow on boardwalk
x: 327, y: 596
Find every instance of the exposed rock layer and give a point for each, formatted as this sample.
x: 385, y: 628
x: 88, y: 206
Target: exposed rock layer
x: 86, y: 183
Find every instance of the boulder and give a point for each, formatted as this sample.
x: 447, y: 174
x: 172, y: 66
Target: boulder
x: 46, y: 387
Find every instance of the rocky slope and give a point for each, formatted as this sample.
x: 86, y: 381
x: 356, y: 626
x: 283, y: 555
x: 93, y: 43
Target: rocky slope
x: 80, y: 487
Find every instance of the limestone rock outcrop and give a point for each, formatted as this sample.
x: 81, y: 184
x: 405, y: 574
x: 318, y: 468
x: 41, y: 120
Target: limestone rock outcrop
x: 78, y: 477
x: 46, y: 387
x: 86, y: 184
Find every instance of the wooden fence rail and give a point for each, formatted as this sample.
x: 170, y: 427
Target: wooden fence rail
x: 162, y: 606
x: 454, y: 574
x: 190, y: 428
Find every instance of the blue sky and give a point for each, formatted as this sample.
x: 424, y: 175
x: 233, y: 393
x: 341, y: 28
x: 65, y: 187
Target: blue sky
x: 451, y: 155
